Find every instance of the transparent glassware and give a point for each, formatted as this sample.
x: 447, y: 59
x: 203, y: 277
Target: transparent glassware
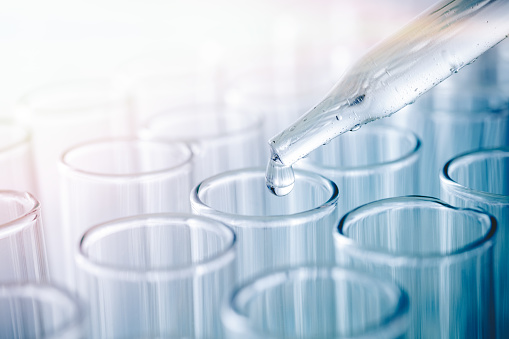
x: 271, y: 231
x: 222, y: 139
x: 470, y: 107
x: 280, y: 91
x: 156, y: 276
x: 163, y: 80
x: 30, y: 310
x: 394, y: 73
x: 59, y: 116
x: 316, y: 302
x: 106, y: 179
x: 22, y: 246
x: 16, y: 163
x: 375, y: 162
x: 479, y: 179
x: 440, y: 255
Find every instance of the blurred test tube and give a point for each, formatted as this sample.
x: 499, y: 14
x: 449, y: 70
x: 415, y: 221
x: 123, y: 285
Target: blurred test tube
x: 41, y: 311
x: 156, y: 276
x: 106, y: 179
x: 16, y: 163
x: 60, y: 116
x: 22, y: 247
x: 221, y: 139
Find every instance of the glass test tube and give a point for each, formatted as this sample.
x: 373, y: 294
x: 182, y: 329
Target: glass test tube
x: 107, y: 179
x: 278, y: 94
x: 29, y: 310
x: 16, y: 163
x: 480, y: 180
x: 271, y: 231
x: 373, y: 163
x: 316, y: 302
x: 59, y: 116
x: 221, y: 139
x: 440, y: 255
x: 168, y: 79
x: 156, y: 276
x: 455, y: 118
x: 22, y: 247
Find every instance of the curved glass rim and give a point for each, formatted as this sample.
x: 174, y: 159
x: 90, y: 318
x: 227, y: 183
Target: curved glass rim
x: 39, y: 291
x: 24, y: 220
x: 383, y: 256
x: 399, y: 162
x: 24, y: 139
x: 48, y: 111
x: 127, y: 176
x: 449, y: 183
x: 324, y: 208
x: 202, y: 110
x: 212, y: 263
x: 392, y: 325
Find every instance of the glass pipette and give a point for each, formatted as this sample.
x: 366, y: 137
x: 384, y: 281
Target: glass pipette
x: 393, y: 74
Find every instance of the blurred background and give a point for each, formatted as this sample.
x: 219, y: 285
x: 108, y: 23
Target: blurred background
x: 56, y: 40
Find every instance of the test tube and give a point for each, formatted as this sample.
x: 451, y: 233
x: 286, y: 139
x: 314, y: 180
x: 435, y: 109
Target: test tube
x: 165, y: 80
x: 156, y: 276
x: 373, y: 163
x: 16, y: 163
x: 278, y: 94
x: 479, y: 179
x: 477, y: 115
x: 221, y: 139
x: 316, y: 302
x: 59, y: 116
x: 440, y: 255
x: 272, y: 231
x: 106, y: 179
x: 22, y: 246
x: 42, y: 311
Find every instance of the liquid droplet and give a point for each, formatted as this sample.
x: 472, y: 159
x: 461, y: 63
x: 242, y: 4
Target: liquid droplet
x: 279, y: 178
x: 356, y: 128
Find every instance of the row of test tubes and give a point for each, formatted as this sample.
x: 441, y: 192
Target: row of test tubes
x: 140, y: 211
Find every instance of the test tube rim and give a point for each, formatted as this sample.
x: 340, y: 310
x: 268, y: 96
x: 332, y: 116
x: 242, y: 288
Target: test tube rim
x: 447, y: 183
x: 203, y: 267
x: 23, y: 221
x: 258, y: 221
x: 382, y: 256
x: 71, y: 328
x: 255, y: 127
x: 411, y: 156
x: 186, y: 165
x: 391, y: 324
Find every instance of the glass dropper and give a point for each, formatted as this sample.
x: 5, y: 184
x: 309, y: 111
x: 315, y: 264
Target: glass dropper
x: 393, y: 74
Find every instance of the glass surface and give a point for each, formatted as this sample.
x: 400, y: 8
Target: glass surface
x: 156, y: 276
x: 316, y: 302
x: 22, y: 246
x: 59, y: 116
x: 271, y: 231
x: 372, y: 163
x: 16, y: 163
x: 29, y: 311
x: 222, y: 139
x: 107, y: 179
x: 441, y: 256
x: 480, y: 180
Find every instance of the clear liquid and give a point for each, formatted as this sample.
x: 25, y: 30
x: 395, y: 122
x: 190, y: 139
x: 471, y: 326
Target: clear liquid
x: 392, y: 75
x: 280, y: 179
